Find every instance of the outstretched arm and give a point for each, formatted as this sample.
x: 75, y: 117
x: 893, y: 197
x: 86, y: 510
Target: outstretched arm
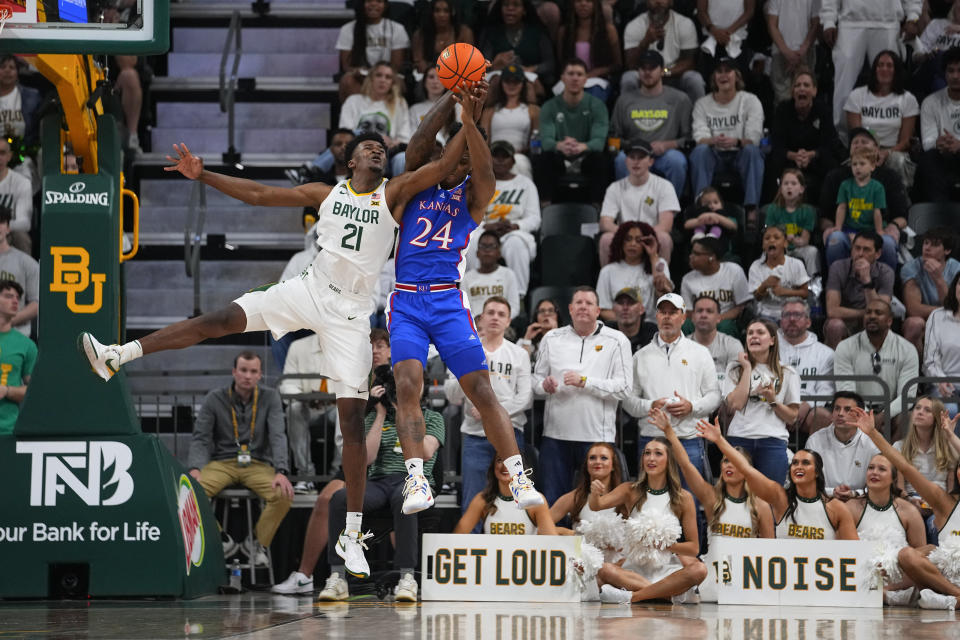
x: 422, y: 142
x: 761, y: 485
x: 483, y: 184
x: 939, y: 500
x: 249, y: 191
x: 702, y: 489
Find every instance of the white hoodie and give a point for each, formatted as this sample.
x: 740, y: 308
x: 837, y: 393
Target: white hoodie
x: 587, y: 414
x: 885, y: 14
x: 809, y: 358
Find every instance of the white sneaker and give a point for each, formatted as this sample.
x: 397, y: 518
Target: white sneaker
x: 416, y: 495
x: 230, y: 547
x: 406, y: 589
x: 898, y: 598
x: 690, y: 596
x: 104, y: 358
x: 304, y: 487
x: 930, y: 599
x: 523, y: 492
x: 334, y: 589
x: 254, y: 552
x: 612, y: 595
x: 296, y: 583
x: 350, y: 547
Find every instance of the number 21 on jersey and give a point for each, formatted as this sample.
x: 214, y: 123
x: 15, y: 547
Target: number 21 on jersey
x: 442, y: 236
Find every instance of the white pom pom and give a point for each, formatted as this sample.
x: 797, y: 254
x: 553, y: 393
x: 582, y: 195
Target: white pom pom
x: 603, y: 530
x: 648, y: 536
x: 946, y: 557
x: 585, y: 568
x: 885, y: 545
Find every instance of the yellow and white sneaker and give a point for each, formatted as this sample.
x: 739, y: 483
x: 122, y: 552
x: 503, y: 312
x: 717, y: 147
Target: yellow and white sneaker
x: 523, y: 492
x: 350, y: 547
x: 417, y: 495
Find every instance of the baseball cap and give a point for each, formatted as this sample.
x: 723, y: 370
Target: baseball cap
x: 673, y: 299
x: 502, y: 145
x: 725, y: 61
x: 637, y: 145
x: 650, y: 58
x: 862, y: 131
x: 630, y: 292
x: 511, y: 72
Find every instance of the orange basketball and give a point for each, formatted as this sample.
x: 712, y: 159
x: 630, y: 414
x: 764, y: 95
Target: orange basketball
x: 460, y: 61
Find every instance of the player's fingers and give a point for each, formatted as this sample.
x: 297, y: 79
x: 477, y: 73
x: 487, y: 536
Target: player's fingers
x: 185, y: 150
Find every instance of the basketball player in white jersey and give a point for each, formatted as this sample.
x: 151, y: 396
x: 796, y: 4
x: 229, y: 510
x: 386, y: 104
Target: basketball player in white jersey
x: 332, y: 297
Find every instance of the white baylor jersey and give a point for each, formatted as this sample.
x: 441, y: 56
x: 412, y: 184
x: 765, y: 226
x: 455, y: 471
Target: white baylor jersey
x: 356, y: 234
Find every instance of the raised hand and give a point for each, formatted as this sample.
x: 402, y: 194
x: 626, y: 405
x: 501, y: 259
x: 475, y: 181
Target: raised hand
x: 863, y: 419
x: 709, y: 431
x: 658, y: 418
x: 743, y: 359
x: 947, y: 423
x: 186, y: 163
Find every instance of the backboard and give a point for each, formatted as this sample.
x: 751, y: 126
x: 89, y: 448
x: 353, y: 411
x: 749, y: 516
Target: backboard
x: 134, y: 27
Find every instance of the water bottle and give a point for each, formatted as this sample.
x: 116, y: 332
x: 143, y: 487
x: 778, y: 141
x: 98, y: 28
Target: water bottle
x: 235, y: 575
x: 535, y: 145
x: 765, y: 142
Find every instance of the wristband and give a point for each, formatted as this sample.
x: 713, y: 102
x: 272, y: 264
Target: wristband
x: 583, y: 380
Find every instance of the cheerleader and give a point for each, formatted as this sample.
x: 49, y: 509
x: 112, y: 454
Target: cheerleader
x: 602, y: 464
x: 658, y: 495
x: 800, y: 510
x: 499, y: 512
x: 886, y: 518
x: 933, y: 570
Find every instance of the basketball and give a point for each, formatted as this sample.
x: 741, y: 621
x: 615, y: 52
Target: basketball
x: 460, y: 61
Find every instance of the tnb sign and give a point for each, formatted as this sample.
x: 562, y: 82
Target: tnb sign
x: 54, y: 467
x: 825, y: 573
x: 499, y: 568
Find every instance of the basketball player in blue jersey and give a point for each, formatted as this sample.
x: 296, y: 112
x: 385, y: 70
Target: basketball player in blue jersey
x: 427, y: 304
x: 357, y: 220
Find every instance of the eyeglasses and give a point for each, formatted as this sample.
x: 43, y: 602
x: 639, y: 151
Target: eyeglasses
x: 877, y: 362
x: 793, y: 314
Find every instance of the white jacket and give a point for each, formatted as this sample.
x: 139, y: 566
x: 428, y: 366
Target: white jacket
x: 810, y: 358
x: 689, y: 370
x: 868, y: 13
x: 587, y: 414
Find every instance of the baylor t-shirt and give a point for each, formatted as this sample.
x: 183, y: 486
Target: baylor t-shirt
x: 861, y: 201
x: 18, y: 355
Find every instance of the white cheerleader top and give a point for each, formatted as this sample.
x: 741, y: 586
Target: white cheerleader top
x: 509, y: 519
x: 587, y: 512
x: 809, y: 521
x: 735, y: 521
x: 884, y: 519
x: 952, y: 526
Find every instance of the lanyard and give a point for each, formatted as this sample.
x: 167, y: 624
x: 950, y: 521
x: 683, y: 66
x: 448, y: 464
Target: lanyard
x: 253, y: 417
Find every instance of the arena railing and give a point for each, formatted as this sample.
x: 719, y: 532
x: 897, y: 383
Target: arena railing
x: 228, y: 89
x: 193, y: 239
x: 873, y: 400
x: 919, y: 380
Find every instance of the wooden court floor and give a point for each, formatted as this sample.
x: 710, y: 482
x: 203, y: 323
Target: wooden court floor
x: 260, y: 616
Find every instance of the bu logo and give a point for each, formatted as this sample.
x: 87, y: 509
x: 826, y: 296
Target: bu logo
x: 71, y: 275
x: 51, y: 471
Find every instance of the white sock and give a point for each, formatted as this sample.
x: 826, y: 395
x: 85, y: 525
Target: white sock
x: 414, y: 466
x: 514, y: 464
x: 354, y: 520
x: 130, y: 351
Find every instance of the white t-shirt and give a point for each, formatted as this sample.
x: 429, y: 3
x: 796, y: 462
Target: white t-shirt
x: 510, y: 370
x: 843, y: 463
x: 757, y: 419
x: 617, y: 275
x: 11, y: 115
x: 499, y: 282
x: 512, y: 125
x: 382, y: 38
x: 728, y: 285
x: 362, y: 114
x: 679, y: 35
x: 16, y: 192
x: 793, y: 19
x: 941, y: 349
x: 724, y: 350
x: 792, y: 274
x: 517, y: 201
x: 935, y: 37
x: 925, y: 463
x: 724, y: 13
x: 938, y: 113
x: 882, y: 115
x: 624, y: 202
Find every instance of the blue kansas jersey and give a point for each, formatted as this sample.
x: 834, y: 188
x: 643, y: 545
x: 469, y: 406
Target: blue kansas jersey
x: 434, y: 232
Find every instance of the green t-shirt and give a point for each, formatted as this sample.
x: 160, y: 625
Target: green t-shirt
x: 390, y: 457
x: 861, y: 201
x: 18, y: 355
x: 793, y: 222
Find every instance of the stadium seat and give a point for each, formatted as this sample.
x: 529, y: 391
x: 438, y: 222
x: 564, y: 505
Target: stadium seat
x: 924, y: 216
x: 566, y: 218
x: 568, y: 260
x: 560, y: 295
